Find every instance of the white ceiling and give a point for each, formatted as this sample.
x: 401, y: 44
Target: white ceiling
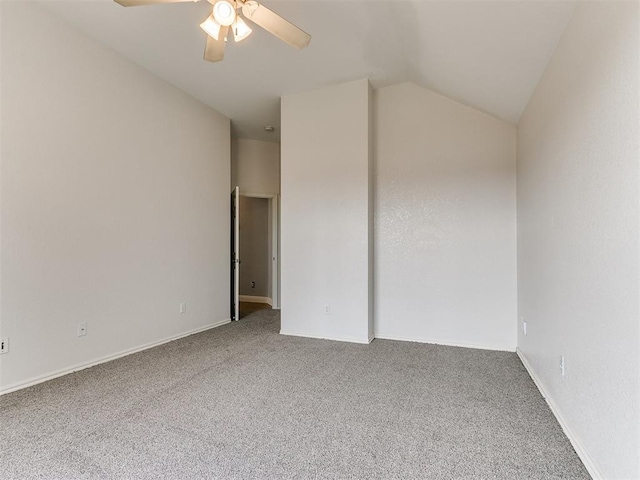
x: 486, y: 54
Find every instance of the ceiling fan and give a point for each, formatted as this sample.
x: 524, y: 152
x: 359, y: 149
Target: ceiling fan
x: 226, y: 16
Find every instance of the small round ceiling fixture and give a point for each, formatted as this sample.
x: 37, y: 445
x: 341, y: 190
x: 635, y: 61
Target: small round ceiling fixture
x: 269, y: 129
x: 224, y: 12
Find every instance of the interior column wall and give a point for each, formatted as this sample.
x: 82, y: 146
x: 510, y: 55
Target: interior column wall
x: 326, y: 213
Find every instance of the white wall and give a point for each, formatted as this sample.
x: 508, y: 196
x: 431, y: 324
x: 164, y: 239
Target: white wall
x: 114, y: 202
x: 255, y: 247
x: 1, y: 133
x: 325, y: 212
x: 255, y: 166
x: 578, y: 249
x: 445, y: 221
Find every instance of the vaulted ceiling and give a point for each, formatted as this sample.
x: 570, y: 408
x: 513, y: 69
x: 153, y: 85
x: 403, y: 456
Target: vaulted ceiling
x: 486, y: 54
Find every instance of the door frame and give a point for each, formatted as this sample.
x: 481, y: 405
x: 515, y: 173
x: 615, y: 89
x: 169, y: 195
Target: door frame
x: 274, y: 212
x: 234, y: 254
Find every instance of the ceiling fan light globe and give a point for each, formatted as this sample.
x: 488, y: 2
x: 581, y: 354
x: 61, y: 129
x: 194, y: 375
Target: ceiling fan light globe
x: 224, y: 12
x: 241, y: 30
x: 211, y: 27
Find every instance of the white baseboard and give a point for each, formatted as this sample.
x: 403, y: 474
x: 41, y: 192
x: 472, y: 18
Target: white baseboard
x: 588, y: 462
x: 81, y: 366
x: 253, y: 299
x: 322, y: 337
x: 446, y: 344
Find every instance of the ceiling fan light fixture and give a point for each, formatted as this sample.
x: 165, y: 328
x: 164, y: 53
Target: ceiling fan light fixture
x: 241, y: 30
x: 211, y: 27
x: 230, y: 15
x: 224, y: 12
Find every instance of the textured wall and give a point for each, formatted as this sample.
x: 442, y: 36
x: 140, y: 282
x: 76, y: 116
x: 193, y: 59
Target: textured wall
x: 115, y: 201
x: 578, y: 231
x: 325, y: 212
x: 445, y: 221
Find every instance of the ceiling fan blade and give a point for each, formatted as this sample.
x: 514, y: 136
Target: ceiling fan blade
x: 138, y: 3
x: 214, y: 51
x: 275, y: 24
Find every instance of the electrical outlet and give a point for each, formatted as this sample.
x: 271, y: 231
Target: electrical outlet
x: 327, y: 310
x: 562, y: 365
x: 82, y: 329
x: 253, y: 284
x: 524, y: 328
x: 183, y: 307
x: 4, y: 345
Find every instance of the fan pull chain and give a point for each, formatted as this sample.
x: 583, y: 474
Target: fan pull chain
x: 235, y: 21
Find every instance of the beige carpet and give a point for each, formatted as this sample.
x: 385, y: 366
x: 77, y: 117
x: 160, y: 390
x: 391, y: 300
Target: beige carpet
x: 242, y: 401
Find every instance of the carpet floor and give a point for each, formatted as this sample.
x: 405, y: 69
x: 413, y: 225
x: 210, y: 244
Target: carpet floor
x: 242, y: 401
x: 247, y: 308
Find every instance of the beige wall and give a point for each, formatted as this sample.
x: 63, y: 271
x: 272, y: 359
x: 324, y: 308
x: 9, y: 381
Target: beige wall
x: 325, y: 213
x: 255, y: 166
x: 115, y: 202
x: 255, y: 251
x: 578, y: 248
x: 445, y: 221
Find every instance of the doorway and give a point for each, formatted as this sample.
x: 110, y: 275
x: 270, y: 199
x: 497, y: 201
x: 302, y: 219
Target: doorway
x: 255, y: 258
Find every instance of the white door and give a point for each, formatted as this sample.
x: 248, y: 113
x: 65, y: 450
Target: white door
x: 275, y: 264
x: 235, y: 254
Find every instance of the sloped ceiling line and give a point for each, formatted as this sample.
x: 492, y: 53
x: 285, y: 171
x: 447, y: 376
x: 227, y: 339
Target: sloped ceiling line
x: 486, y: 54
